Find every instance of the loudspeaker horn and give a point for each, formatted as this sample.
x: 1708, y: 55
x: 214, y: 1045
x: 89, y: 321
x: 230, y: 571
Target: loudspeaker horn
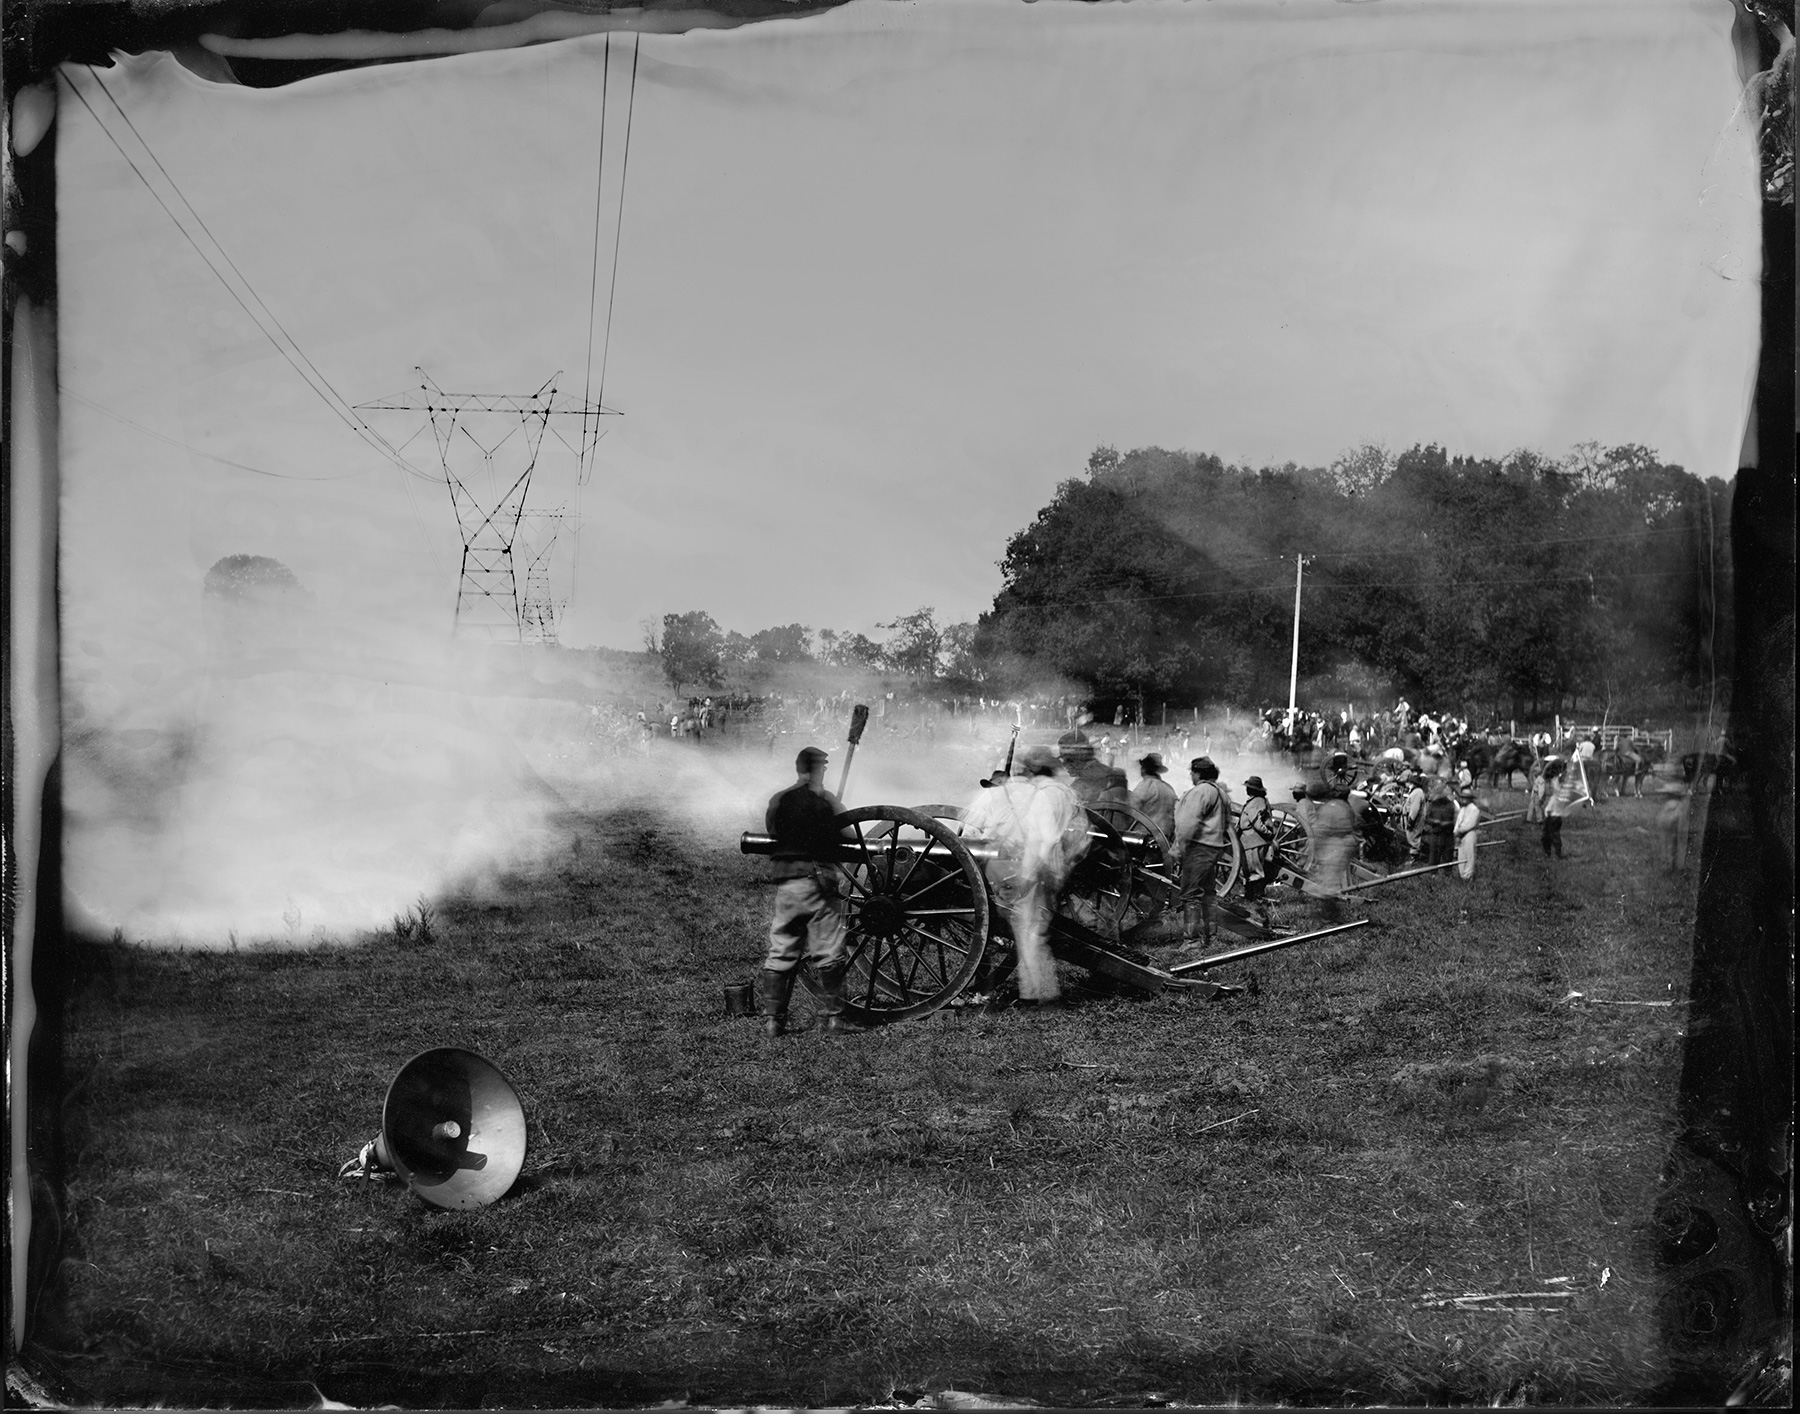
x: 453, y: 1128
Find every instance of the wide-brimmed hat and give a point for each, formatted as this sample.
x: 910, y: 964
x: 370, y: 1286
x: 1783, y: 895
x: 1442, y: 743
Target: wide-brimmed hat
x: 1253, y: 786
x: 1204, y: 765
x: 1151, y: 765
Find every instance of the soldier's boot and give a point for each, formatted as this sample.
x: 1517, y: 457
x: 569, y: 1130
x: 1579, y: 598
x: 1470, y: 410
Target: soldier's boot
x: 831, y: 1001
x: 772, y: 992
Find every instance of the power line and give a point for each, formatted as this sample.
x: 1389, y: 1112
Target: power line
x: 594, y: 276
x: 195, y: 451
x: 624, y: 170
x: 321, y: 388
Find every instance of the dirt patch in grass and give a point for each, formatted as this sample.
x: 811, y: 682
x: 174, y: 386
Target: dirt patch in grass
x: 1271, y: 1198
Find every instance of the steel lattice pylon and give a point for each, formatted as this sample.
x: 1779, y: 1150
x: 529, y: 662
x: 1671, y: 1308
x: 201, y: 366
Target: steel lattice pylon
x: 488, y: 445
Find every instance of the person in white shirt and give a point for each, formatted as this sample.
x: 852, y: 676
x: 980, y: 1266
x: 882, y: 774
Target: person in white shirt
x: 1468, y: 833
x: 1039, y: 830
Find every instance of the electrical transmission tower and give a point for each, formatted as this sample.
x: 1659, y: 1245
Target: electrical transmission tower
x: 490, y: 446
x: 539, y: 609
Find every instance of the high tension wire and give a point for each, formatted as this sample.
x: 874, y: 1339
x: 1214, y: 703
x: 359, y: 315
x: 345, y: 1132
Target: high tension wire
x: 238, y: 286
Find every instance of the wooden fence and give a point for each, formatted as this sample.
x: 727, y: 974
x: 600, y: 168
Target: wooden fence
x: 1612, y: 734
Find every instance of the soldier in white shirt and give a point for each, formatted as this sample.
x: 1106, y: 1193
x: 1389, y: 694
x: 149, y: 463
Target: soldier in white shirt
x: 1468, y: 834
x: 1040, y: 831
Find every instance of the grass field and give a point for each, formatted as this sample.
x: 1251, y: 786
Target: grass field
x: 1274, y: 1197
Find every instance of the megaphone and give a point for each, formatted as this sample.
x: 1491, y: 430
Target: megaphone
x: 452, y: 1127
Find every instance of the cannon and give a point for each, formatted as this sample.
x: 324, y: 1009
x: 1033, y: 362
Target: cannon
x: 924, y: 930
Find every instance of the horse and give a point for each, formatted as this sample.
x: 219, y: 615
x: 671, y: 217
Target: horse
x: 1511, y: 757
x: 1475, y: 751
x: 1631, y: 761
x: 1708, y: 770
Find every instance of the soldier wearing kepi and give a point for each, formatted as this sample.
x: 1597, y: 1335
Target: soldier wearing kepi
x: 809, y: 909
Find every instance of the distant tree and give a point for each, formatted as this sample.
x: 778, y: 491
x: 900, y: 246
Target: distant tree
x: 651, y: 634
x: 693, y: 650
x: 252, y: 579
x: 1362, y: 469
x: 850, y: 650
x: 914, y: 643
x: 790, y: 643
x: 737, y: 648
x: 959, y: 656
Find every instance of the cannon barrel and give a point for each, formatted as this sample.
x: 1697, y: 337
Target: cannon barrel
x: 850, y: 852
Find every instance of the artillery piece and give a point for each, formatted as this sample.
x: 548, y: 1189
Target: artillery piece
x: 924, y: 930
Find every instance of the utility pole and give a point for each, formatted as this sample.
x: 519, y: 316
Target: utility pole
x: 1294, y: 665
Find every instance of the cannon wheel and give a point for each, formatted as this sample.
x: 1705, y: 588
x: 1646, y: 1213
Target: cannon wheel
x: 916, y: 926
x: 1293, y: 844
x: 1154, y: 883
x: 1101, y: 892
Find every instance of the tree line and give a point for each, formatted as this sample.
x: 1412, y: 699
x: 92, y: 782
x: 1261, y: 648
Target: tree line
x: 695, y: 651
x: 1514, y: 586
x: 1517, y: 586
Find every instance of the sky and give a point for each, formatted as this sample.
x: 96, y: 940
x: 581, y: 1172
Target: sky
x: 884, y: 277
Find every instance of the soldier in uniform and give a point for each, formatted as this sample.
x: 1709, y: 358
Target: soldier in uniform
x: 1039, y: 832
x: 1155, y: 797
x: 1093, y: 781
x: 1468, y: 832
x: 1333, y: 829
x: 809, y: 909
x: 1202, y: 818
x: 1257, y: 830
x: 1413, y: 812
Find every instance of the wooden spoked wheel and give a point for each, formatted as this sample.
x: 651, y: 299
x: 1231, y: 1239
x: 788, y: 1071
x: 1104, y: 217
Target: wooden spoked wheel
x: 1230, y: 867
x: 1155, y: 881
x: 1102, y: 887
x: 915, y: 911
x: 1292, y: 847
x: 1000, y: 958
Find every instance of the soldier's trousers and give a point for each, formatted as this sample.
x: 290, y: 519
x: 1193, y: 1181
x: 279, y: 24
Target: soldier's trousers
x: 809, y: 921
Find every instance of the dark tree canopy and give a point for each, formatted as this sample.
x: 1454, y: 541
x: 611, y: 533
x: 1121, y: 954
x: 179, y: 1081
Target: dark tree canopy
x: 1499, y: 584
x: 693, y: 650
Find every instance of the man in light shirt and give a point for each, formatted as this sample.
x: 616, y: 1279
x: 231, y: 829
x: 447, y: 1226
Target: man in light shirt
x: 1039, y: 830
x: 1468, y: 833
x: 1202, y: 817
